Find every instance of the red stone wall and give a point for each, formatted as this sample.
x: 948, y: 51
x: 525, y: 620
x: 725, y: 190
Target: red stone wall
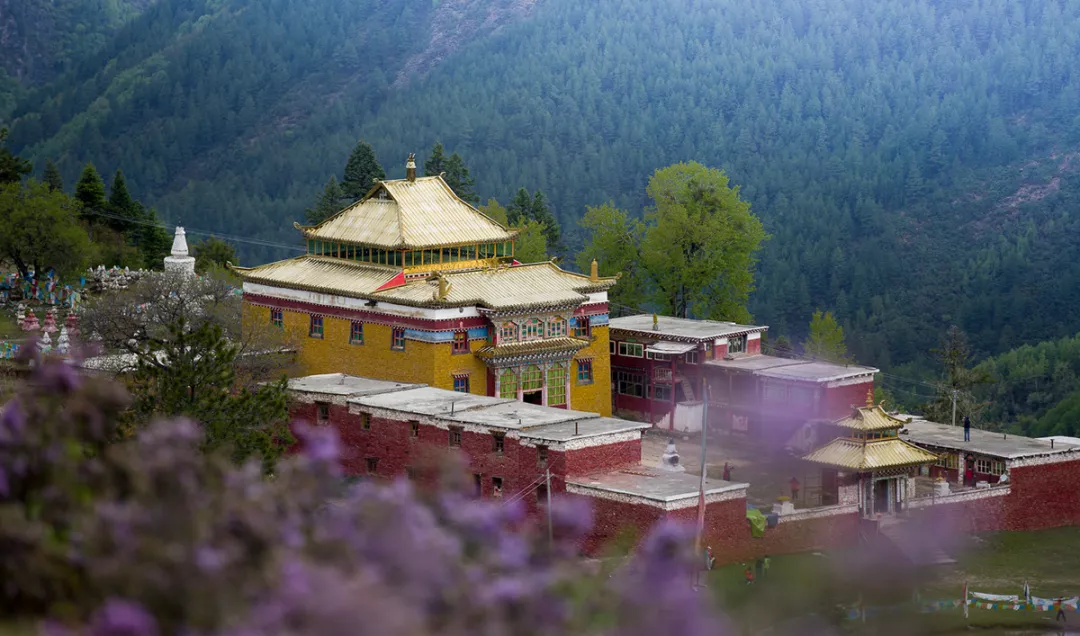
x: 598, y: 459
x: 839, y: 400
x: 612, y: 518
x: 752, y: 346
x: 1044, y: 496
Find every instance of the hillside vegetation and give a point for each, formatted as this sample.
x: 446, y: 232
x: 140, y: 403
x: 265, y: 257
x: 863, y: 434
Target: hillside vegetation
x: 915, y: 163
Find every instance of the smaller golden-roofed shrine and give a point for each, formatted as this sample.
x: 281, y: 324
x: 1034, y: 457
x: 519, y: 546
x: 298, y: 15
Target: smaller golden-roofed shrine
x: 878, y: 464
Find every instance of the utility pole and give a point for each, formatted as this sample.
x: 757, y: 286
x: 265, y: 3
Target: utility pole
x: 547, y: 484
x: 701, y: 492
x: 954, y: 392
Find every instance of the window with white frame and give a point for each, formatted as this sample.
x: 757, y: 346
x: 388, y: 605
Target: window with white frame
x: 690, y: 357
x: 611, y: 346
x: 508, y: 332
x: 989, y: 466
x: 649, y: 355
x: 631, y: 350
x: 736, y: 344
x: 556, y: 327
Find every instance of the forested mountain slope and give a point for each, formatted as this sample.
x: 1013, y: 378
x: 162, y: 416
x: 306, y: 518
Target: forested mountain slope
x: 914, y: 162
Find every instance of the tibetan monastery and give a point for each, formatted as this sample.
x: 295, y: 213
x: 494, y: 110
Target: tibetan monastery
x: 870, y: 465
x: 412, y: 284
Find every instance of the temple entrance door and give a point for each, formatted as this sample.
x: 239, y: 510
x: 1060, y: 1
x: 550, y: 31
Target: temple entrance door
x: 881, y: 496
x: 533, y: 397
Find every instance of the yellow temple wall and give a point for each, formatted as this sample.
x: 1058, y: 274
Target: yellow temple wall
x: 421, y: 362
x: 595, y: 397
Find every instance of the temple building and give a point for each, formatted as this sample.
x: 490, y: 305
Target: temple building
x: 869, y: 464
x: 412, y: 284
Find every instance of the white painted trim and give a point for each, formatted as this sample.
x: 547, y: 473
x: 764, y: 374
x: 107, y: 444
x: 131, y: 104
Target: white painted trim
x: 819, y: 512
x: 859, y: 379
x: 346, y: 302
x: 599, y: 439
x: 677, y: 502
x: 958, y: 497
x: 596, y: 297
x: 1052, y: 457
x: 755, y: 335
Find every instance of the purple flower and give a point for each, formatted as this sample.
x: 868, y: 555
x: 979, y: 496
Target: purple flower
x: 13, y: 420
x: 122, y: 618
x: 571, y: 517
x: 320, y: 443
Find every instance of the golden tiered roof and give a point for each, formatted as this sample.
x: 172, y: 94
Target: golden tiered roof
x: 503, y: 288
x: 870, y: 418
x: 867, y: 455
x: 405, y: 214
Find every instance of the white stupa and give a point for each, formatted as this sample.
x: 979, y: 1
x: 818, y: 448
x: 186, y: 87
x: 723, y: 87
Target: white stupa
x: 179, y: 261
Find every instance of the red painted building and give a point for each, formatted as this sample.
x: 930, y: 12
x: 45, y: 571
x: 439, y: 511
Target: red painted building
x: 388, y: 429
x: 659, y: 366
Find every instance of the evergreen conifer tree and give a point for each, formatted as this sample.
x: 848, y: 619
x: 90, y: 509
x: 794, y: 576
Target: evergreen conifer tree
x: 327, y: 204
x: 152, y: 239
x: 436, y: 163
x: 52, y: 177
x: 121, y: 205
x: 457, y: 177
x: 361, y: 171
x: 526, y: 207
x: 90, y: 191
x: 12, y: 168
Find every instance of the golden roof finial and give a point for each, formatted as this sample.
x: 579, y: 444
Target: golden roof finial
x: 410, y: 167
x: 594, y: 273
x: 655, y: 322
x: 444, y: 287
x: 870, y: 398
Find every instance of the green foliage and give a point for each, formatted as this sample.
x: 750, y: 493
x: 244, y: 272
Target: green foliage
x: 615, y: 241
x: 153, y: 240
x: 826, y: 341
x: 436, y: 162
x: 327, y: 204
x: 361, y: 171
x: 121, y: 205
x: 12, y: 168
x: 90, y: 191
x: 878, y: 173
x: 700, y: 243
x: 191, y: 373
x: 525, y: 208
x: 495, y: 212
x: 1029, y: 381
x: 531, y: 243
x: 457, y: 177
x: 52, y: 177
x: 959, y: 379
x: 213, y: 252
x: 1063, y: 419
x: 39, y: 229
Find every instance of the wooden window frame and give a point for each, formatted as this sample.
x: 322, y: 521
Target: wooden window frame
x: 277, y: 318
x: 397, y: 339
x: 631, y: 350
x: 464, y: 384
x: 460, y: 343
x: 454, y: 436
x: 355, y: 327
x: 587, y: 367
x: 316, y: 320
x: 498, y: 443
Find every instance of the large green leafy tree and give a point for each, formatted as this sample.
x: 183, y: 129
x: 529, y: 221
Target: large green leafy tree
x: 826, y: 341
x: 694, y: 255
x: 12, y: 168
x: 191, y: 372
x: 616, y: 246
x: 40, y: 229
x: 361, y: 171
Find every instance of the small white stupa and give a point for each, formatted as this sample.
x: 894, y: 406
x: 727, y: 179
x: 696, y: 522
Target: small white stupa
x: 670, y: 459
x: 179, y: 261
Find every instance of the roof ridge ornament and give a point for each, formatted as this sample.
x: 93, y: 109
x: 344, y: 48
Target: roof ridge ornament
x: 410, y: 168
x: 870, y: 398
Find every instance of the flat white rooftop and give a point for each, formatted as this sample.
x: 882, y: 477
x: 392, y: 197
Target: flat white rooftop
x: 680, y: 327
x: 342, y: 384
x: 578, y: 429
x: 815, y: 371
x: 1002, y: 445
x: 426, y: 400
x: 654, y: 484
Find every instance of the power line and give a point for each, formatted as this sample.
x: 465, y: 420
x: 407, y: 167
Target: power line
x: 223, y: 235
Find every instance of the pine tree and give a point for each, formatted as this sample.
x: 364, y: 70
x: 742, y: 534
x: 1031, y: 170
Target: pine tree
x: 361, y: 171
x: 436, y: 163
x: 457, y: 177
x: 12, y: 168
x: 152, y: 239
x: 826, y: 341
x: 121, y: 205
x: 52, y: 177
x: 526, y: 207
x: 90, y: 191
x: 327, y: 204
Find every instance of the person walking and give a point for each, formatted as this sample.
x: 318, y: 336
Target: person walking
x: 749, y: 574
x: 727, y: 472
x: 794, y: 483
x: 967, y: 428
x: 1060, y: 616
